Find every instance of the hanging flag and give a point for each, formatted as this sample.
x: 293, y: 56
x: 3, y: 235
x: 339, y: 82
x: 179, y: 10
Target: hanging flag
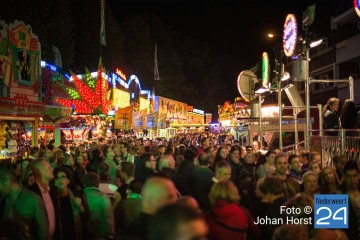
x: 156, y: 70
x: 102, y: 26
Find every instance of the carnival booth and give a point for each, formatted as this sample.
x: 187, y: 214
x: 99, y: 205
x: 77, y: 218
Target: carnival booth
x: 194, y: 122
x: 20, y: 98
x: 77, y: 105
x: 241, y: 120
x: 133, y: 104
x: 170, y: 112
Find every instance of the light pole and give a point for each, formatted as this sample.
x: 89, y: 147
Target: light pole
x: 278, y: 71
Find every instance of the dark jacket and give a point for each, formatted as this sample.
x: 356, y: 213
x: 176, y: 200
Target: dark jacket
x: 178, y: 181
x: 53, y: 194
x: 140, y: 227
x: 199, y: 182
x: 353, y: 231
x: 186, y: 167
x: 235, y: 172
x: 144, y: 174
x: 29, y: 209
x: 273, y: 212
x: 331, y: 121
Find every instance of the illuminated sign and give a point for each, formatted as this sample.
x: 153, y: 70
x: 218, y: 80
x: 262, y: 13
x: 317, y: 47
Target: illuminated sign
x: 265, y: 69
x: 195, y: 118
x: 120, y: 73
x: 290, y: 35
x: 121, y: 98
x: 357, y: 7
x: 198, y: 111
x: 144, y: 103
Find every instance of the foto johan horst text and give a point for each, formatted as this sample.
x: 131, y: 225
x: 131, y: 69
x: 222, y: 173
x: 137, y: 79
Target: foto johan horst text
x: 280, y: 221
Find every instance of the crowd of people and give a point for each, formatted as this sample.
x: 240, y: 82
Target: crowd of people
x: 348, y: 118
x: 190, y: 187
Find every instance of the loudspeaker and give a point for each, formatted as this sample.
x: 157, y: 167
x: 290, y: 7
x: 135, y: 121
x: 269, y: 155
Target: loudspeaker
x: 295, y: 99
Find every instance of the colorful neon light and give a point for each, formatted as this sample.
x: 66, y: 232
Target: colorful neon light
x: 265, y: 69
x: 290, y: 35
x: 120, y: 73
x: 357, y: 7
x: 90, y: 100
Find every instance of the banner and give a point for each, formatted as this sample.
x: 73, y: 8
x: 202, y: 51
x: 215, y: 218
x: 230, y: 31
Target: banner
x: 152, y: 120
x: 139, y: 119
x: 172, y: 108
x: 123, y: 118
x: 161, y: 124
x: 208, y: 117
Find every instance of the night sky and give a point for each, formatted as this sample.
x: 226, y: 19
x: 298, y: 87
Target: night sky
x: 235, y: 31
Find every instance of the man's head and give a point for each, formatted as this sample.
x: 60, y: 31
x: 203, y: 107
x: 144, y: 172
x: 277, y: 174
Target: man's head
x: 272, y: 187
x: 127, y: 170
x: 147, y: 160
x: 124, y: 147
x: 167, y: 161
x: 277, y: 151
x: 351, y: 175
x: 82, y: 148
x: 294, y: 162
x: 157, y: 192
x: 178, y: 221
x: 339, y: 162
x: 315, y: 156
x: 34, y: 151
x: 104, y: 171
x: 96, y: 154
x: 42, y: 170
x: 249, y: 157
x: 281, y: 165
x: 205, y: 142
x: 91, y: 180
x: 204, y: 159
x: 223, y: 171
x: 161, y: 149
x: 256, y: 146
x: 333, y: 104
x: 109, y: 153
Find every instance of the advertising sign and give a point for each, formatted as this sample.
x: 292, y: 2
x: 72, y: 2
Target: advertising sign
x: 123, y: 118
x: 172, y: 108
x: 208, y: 118
x: 194, y: 118
x: 139, y: 119
x: 151, y: 120
x: 161, y: 124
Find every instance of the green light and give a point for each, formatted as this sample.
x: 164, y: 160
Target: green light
x: 73, y: 93
x: 265, y: 69
x: 91, y: 82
